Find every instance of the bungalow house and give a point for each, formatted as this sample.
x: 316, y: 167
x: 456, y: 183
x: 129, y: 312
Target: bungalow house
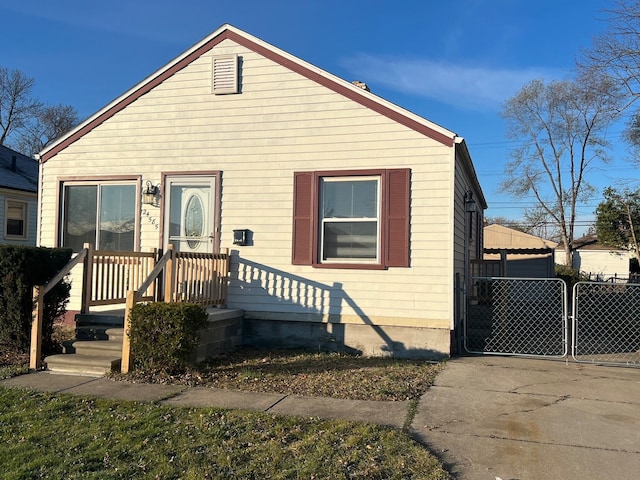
x: 348, y: 218
x: 18, y: 197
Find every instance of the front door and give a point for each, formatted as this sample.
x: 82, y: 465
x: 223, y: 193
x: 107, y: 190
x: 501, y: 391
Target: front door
x: 189, y: 213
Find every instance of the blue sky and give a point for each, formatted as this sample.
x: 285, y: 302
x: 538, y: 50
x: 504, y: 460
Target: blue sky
x: 453, y: 63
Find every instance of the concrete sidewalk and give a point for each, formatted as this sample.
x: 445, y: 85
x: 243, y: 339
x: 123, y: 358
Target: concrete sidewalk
x: 392, y: 414
x: 486, y: 417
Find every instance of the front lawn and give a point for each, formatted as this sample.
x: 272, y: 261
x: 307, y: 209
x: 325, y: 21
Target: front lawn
x: 59, y: 436
x: 305, y: 373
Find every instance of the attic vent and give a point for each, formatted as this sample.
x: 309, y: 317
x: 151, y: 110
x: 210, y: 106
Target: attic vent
x: 225, y: 74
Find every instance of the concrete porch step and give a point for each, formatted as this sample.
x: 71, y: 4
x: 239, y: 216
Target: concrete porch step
x: 93, y: 347
x: 83, y: 364
x: 99, y: 332
x: 111, y: 320
x: 96, y: 350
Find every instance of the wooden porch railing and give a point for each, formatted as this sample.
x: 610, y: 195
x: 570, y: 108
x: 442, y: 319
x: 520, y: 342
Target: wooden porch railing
x: 111, y: 278
x: 190, y: 277
x: 39, y: 291
x: 109, y: 275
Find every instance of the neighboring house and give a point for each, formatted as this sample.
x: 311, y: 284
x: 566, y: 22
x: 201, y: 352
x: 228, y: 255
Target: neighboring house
x: 522, y: 255
x: 349, y: 217
x: 596, y: 260
x: 18, y: 197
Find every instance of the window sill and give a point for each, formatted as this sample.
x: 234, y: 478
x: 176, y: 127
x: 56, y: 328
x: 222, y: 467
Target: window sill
x: 351, y: 266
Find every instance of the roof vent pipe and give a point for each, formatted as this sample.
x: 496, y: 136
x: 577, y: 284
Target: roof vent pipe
x: 14, y: 165
x: 361, y: 85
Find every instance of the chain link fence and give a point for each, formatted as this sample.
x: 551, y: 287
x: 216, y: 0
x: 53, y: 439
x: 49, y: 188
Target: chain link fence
x: 517, y: 316
x: 606, y: 323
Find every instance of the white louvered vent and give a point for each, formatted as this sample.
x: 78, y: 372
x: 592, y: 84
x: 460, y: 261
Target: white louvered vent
x: 225, y: 75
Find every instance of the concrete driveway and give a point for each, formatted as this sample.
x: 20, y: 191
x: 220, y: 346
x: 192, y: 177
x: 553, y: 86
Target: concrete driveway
x: 517, y: 418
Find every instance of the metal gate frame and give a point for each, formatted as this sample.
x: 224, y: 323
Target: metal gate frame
x: 606, y: 323
x: 513, y: 316
x: 529, y: 317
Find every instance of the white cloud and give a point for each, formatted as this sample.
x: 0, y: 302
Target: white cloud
x: 463, y: 86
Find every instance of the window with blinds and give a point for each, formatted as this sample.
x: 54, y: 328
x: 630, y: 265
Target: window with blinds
x: 15, y: 219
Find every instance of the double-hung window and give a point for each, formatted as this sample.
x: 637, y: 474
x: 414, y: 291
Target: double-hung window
x: 100, y: 213
x: 351, y: 219
x: 15, y: 220
x: 350, y: 216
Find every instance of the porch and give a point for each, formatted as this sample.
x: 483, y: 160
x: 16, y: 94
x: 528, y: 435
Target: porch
x: 113, y: 282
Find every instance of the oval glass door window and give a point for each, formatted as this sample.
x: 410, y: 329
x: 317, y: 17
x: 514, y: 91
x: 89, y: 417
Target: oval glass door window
x: 194, y: 221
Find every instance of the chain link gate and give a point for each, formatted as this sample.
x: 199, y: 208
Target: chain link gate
x: 516, y: 316
x: 606, y: 323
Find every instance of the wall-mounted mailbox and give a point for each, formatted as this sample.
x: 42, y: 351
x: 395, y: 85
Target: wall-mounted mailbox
x: 241, y: 237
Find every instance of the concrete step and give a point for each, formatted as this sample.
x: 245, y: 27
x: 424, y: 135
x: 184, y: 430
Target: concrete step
x: 93, y: 347
x: 99, y: 332
x: 83, y: 319
x: 96, y: 365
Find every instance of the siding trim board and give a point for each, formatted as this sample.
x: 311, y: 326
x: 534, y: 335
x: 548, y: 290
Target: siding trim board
x: 227, y: 32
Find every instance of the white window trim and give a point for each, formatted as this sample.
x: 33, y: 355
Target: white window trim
x: 321, y: 223
x: 25, y: 219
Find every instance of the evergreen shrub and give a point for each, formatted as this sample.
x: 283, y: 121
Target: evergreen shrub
x: 21, y: 268
x: 164, y: 335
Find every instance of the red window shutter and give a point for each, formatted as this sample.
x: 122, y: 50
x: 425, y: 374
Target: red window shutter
x: 397, y: 219
x: 303, y: 218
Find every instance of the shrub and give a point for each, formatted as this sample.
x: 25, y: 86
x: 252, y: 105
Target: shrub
x: 570, y: 275
x: 165, y: 335
x: 21, y: 268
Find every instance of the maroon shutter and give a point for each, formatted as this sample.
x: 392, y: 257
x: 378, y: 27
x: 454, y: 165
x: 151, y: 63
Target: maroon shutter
x: 397, y: 219
x: 302, y: 249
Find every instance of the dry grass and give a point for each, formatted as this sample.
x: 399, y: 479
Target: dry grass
x: 304, y: 373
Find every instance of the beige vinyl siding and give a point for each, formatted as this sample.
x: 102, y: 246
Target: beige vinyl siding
x: 280, y: 123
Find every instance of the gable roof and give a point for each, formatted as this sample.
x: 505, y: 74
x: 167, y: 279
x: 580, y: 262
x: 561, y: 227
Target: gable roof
x: 17, y: 171
x: 228, y: 32
x: 498, y: 237
x: 591, y: 242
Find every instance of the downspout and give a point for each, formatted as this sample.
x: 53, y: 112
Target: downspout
x: 465, y: 280
x: 469, y: 209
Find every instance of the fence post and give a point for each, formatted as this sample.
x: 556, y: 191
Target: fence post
x: 169, y: 275
x: 126, y: 339
x: 87, y: 279
x: 35, y: 354
x: 158, y: 286
x: 225, y: 276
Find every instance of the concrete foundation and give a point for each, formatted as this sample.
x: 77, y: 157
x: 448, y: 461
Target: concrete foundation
x: 223, y: 334
x: 369, y: 340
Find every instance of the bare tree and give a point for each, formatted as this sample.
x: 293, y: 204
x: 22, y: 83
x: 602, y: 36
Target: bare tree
x: 17, y: 105
x: 535, y: 221
x: 539, y: 223
x: 616, y: 53
x: 560, y: 127
x: 49, y: 123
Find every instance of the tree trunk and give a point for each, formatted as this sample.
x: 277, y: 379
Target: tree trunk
x: 634, y: 239
x: 568, y: 256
